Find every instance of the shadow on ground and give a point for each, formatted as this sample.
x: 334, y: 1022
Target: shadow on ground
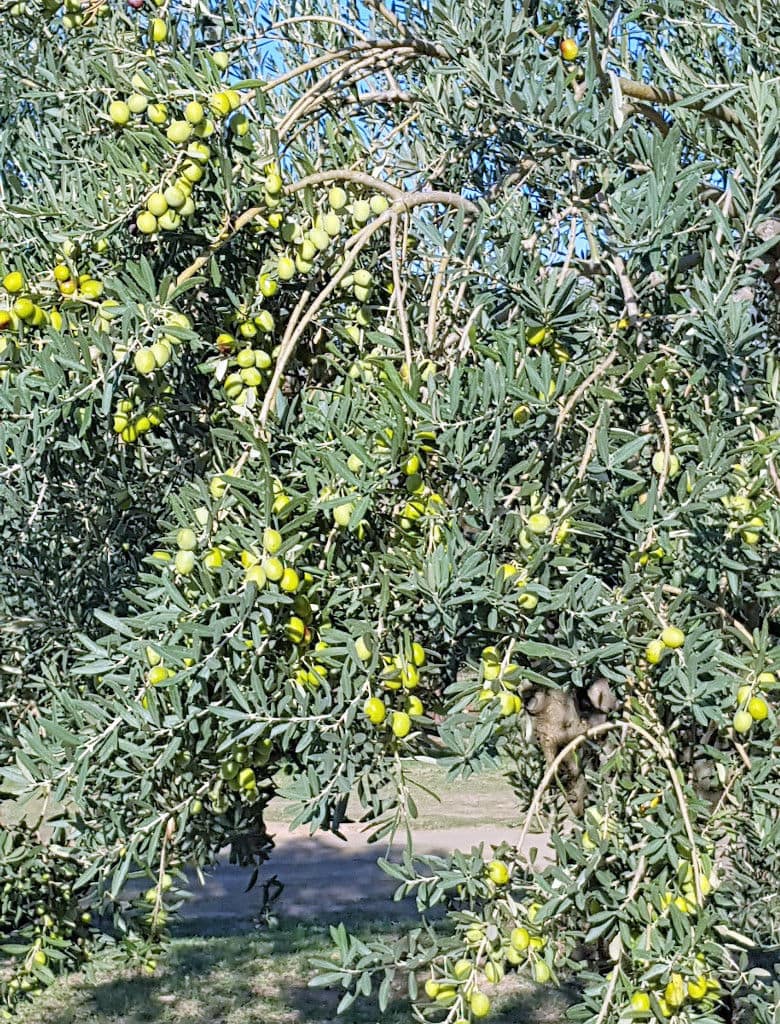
x: 227, y: 965
x: 323, y: 874
x: 260, y: 977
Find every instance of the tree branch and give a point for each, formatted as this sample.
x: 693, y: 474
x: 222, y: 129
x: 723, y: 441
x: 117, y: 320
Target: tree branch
x: 654, y: 94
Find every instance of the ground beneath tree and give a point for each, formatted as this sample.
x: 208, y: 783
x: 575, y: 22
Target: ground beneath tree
x: 323, y: 875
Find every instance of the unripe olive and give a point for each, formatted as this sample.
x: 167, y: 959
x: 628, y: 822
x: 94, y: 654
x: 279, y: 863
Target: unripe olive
x: 169, y: 221
x: 378, y: 204
x: 186, y: 539
x: 13, y: 282
x: 273, y: 184
x: 239, y: 124
x: 159, y: 30
x: 361, y: 211
x: 268, y: 287
x: 144, y: 361
x: 285, y: 268
x: 157, y: 204
x: 119, y: 112
x: 179, y: 132
x: 219, y: 104
x: 194, y: 112
x: 146, y: 222
x: 174, y: 197
x: 742, y: 721
x: 192, y: 171
x: 157, y: 113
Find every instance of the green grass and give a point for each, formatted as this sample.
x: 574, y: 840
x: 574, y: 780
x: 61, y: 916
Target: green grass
x: 256, y: 977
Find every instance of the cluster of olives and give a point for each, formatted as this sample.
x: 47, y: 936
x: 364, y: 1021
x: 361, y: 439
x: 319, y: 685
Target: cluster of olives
x: 195, y: 121
x: 400, y: 674
x: 537, y: 526
x: 415, y: 512
x: 263, y: 568
x: 654, y: 554
x: 598, y: 826
x: 266, y: 567
x: 157, y: 673
x: 752, y: 706
x: 157, y: 918
x: 670, y: 639
x: 24, y: 311
x: 498, y: 682
x: 540, y: 337
x: 687, y: 901
x: 142, y: 410
x: 491, y: 957
x: 250, y: 371
x: 314, y: 241
x: 237, y: 773
x: 312, y: 674
x: 73, y: 13
x: 421, y: 498
x: 272, y: 193
x: 743, y: 517
x: 133, y: 419
x: 699, y: 987
x: 422, y: 506
x: 512, y: 575
x: 165, y: 210
x: 249, y: 368
x: 220, y: 483
x: 76, y: 286
x: 52, y: 914
x: 360, y: 210
x: 186, y: 543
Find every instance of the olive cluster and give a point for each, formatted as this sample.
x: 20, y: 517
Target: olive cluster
x: 73, y: 13
x: 400, y: 674
x: 500, y: 679
x: 143, y: 407
x: 41, y: 913
x: 174, y: 201
x: 492, y: 950
x: 28, y: 307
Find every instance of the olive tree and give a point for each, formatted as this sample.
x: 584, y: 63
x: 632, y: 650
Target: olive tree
x: 386, y: 383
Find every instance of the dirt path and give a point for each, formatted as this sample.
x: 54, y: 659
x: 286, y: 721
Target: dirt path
x: 324, y: 876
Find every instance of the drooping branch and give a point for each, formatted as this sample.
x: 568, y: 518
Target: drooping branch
x: 404, y: 204
x: 402, y: 200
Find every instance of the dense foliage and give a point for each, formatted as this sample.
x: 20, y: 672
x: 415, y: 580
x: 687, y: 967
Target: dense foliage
x: 380, y: 384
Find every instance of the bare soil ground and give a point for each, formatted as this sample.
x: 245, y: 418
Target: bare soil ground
x: 323, y: 875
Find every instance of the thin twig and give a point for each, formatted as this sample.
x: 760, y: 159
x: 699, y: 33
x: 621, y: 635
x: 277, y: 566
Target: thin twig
x: 398, y: 292
x: 667, y: 449
x: 740, y: 627
x: 433, y: 305
x: 654, y: 94
x: 576, y: 395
